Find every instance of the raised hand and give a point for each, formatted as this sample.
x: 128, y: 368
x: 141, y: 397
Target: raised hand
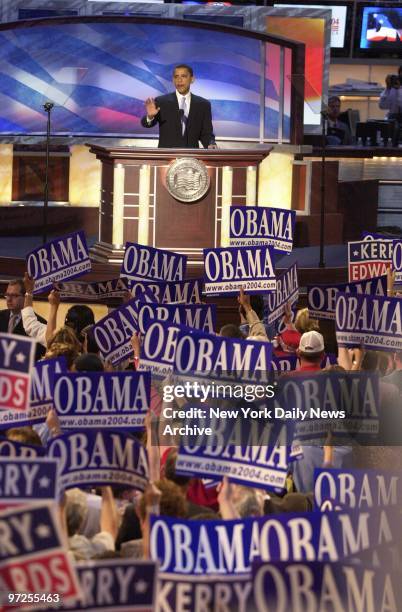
x: 151, y: 108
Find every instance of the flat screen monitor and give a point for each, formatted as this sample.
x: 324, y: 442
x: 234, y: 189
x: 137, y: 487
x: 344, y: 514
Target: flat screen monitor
x: 340, y: 19
x: 379, y: 31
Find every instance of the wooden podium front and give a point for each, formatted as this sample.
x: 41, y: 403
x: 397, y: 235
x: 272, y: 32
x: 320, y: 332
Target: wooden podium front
x: 136, y: 205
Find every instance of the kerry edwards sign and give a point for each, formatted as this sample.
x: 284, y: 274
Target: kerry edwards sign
x: 369, y: 258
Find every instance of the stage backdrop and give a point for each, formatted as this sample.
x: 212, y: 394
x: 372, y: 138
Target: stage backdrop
x: 100, y: 72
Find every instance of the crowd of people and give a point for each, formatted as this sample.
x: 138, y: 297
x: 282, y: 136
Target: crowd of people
x: 113, y: 520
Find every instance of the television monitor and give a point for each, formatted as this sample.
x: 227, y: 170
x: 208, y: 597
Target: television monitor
x: 340, y: 21
x: 379, y: 31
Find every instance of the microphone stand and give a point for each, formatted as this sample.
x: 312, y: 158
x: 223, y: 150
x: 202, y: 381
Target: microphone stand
x: 324, y: 115
x: 48, y: 108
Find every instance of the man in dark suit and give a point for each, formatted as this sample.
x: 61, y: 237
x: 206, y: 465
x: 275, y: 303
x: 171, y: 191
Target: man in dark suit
x: 11, y: 318
x: 184, y: 119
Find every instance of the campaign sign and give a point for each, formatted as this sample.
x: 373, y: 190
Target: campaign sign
x: 57, y: 260
x: 227, y: 270
x: 364, y: 489
x: 34, y: 559
x: 113, y: 333
x: 374, y: 322
x: 187, y: 291
x: 11, y: 449
x: 346, y: 403
x: 158, y: 349
x: 369, y: 258
x: 102, y: 291
x: 98, y: 400
x: 397, y: 261
x: 17, y: 355
x: 259, y: 457
x: 284, y: 364
x: 313, y: 587
x: 259, y: 225
x: 321, y: 299
x: 147, y: 263
x: 42, y: 375
x: 221, y: 358
x: 117, y: 584
x: 287, y: 291
x: 100, y: 458
x: 195, y: 556
x: 27, y: 480
x: 196, y: 316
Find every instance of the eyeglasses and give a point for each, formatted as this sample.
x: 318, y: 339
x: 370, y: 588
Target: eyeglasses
x: 12, y: 295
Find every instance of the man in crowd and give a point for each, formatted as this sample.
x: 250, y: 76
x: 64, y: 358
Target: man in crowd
x: 391, y: 100
x: 11, y: 318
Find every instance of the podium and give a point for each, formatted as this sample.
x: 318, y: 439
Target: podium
x: 173, y: 199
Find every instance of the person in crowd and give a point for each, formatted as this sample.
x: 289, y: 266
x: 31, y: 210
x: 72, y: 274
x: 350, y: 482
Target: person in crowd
x: 338, y: 133
x: 391, y: 101
x: 395, y: 377
x: 11, y: 320
x: 75, y: 509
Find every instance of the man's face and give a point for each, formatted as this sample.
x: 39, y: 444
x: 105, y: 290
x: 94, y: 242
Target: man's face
x: 334, y: 108
x: 14, y: 298
x: 182, y: 80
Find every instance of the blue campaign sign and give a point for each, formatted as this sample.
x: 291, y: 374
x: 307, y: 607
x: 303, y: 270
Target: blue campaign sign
x: 101, y: 291
x: 221, y: 358
x: 59, y: 259
x: 17, y: 355
x: 347, y: 403
x: 118, y: 584
x: 190, y: 552
x: 307, y: 586
x: 321, y: 299
x: 259, y: 225
x: 284, y: 364
x: 364, y: 489
x: 28, y: 480
x: 100, y: 458
x: 374, y: 322
x: 287, y: 291
x: 113, y: 333
x: 227, y: 270
x: 98, y: 400
x: 369, y: 258
x: 158, y: 349
x: 397, y: 261
x: 241, y: 443
x: 32, y: 546
x: 147, y: 263
x: 196, y: 316
x: 9, y: 448
x: 186, y: 291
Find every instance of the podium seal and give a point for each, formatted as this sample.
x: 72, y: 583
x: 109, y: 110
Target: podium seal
x: 187, y: 179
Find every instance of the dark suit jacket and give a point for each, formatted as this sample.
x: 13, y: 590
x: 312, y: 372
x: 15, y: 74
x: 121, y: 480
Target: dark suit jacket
x: 199, y: 123
x: 19, y: 329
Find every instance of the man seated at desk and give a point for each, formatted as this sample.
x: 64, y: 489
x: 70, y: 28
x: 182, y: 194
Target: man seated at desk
x: 338, y: 132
